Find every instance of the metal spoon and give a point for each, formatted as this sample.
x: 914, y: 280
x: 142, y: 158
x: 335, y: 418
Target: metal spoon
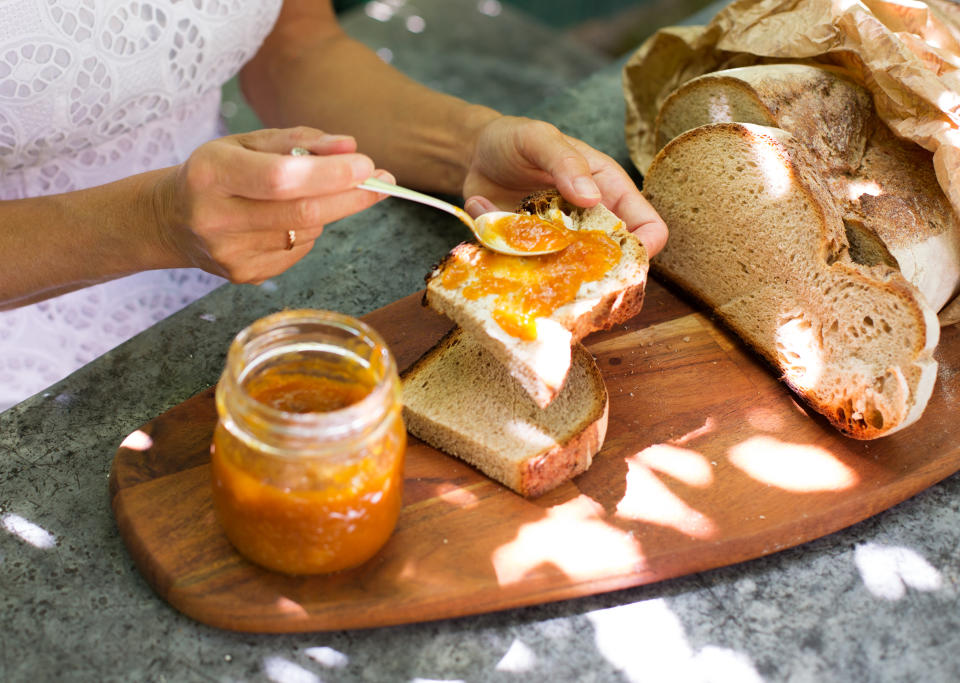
x: 482, y: 227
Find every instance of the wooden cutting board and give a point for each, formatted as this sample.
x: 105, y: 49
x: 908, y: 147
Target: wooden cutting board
x: 708, y: 461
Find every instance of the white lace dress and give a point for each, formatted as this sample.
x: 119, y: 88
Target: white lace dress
x: 92, y: 91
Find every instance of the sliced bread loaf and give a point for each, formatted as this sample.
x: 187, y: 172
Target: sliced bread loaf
x: 540, y: 364
x: 894, y: 210
x: 826, y: 111
x: 757, y: 236
x: 460, y: 399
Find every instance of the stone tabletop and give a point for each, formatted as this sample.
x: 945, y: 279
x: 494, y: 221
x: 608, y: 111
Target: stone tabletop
x: 875, y: 602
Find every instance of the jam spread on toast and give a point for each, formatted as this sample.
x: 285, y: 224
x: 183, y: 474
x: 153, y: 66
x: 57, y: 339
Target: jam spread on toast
x: 529, y: 287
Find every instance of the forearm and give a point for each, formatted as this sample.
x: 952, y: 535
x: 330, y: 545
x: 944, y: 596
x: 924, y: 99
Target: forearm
x: 56, y: 244
x: 423, y: 137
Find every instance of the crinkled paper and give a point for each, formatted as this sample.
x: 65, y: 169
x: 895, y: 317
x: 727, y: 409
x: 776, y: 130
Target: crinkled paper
x: 906, y: 53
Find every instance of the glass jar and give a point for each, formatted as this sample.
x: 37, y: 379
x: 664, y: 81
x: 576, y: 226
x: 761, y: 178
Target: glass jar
x: 307, y: 455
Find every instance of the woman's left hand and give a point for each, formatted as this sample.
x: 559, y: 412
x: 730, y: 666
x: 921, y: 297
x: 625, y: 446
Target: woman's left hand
x: 515, y: 156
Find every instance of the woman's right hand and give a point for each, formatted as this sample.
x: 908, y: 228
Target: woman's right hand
x: 230, y: 207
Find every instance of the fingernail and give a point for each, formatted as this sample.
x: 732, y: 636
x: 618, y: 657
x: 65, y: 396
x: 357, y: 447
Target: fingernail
x: 473, y: 207
x: 362, y: 167
x: 585, y: 187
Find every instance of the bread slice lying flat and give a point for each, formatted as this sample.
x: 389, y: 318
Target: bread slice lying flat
x: 894, y: 210
x: 756, y: 235
x: 540, y: 365
x: 461, y: 400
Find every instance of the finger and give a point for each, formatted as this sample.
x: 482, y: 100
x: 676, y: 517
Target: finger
x: 257, y: 175
x: 478, y: 205
x: 282, y: 140
x: 301, y: 214
x: 551, y: 150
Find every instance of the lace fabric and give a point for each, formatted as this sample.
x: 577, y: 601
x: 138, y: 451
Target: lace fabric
x: 92, y: 91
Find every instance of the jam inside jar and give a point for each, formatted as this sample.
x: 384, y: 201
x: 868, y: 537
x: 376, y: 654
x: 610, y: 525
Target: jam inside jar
x: 307, y: 454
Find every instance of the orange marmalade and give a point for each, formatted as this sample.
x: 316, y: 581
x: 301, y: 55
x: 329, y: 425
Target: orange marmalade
x: 307, y: 456
x: 526, y: 232
x: 529, y: 287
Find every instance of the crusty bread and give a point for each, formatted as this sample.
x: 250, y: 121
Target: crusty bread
x: 828, y: 112
x: 757, y: 236
x: 894, y: 210
x: 540, y: 365
x: 460, y: 399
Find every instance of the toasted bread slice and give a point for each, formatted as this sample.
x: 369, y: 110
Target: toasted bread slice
x: 540, y: 365
x: 460, y: 399
x: 756, y: 235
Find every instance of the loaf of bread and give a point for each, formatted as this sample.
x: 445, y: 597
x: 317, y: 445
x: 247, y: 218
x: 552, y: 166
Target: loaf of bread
x: 894, y: 210
x: 460, y: 399
x: 540, y: 365
x: 757, y: 234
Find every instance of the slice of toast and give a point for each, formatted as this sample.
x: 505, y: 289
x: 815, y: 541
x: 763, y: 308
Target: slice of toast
x: 756, y: 235
x: 458, y: 398
x: 540, y: 365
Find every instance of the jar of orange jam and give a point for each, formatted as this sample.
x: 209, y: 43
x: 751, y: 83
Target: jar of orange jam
x: 307, y: 455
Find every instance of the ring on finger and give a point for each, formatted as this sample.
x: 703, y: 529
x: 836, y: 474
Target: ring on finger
x: 291, y: 239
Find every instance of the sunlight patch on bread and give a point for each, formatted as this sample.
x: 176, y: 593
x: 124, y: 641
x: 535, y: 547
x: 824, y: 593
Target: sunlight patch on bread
x: 800, y: 351
x: 572, y: 538
x: 800, y: 468
x: 778, y: 176
x: 857, y: 188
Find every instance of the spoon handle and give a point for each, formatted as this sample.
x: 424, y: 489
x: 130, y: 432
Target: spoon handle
x: 375, y: 185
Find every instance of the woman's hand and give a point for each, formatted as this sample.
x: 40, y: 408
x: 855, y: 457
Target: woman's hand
x: 244, y: 208
x: 516, y: 156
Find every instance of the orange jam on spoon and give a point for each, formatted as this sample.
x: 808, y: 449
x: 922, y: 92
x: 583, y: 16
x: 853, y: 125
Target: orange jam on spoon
x: 525, y: 232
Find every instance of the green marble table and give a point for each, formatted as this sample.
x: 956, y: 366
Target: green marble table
x: 875, y: 602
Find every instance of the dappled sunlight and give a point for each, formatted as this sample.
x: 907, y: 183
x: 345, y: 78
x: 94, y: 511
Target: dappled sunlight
x: 708, y: 426
x: 718, y: 108
x: 648, y: 499
x: 286, y: 606
x: 518, y: 659
x: 281, y: 670
x: 28, y: 532
x: 799, y: 468
x: 574, y: 538
x: 328, y: 657
x: 680, y: 463
x: 800, y: 350
x: 646, y: 641
x: 138, y: 440
x: 776, y: 174
x: 457, y: 496
x: 766, y: 419
x: 887, y: 571
x: 858, y: 188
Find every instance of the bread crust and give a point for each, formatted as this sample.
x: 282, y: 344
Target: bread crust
x: 615, y: 300
x: 866, y: 397
x: 885, y: 187
x: 537, y: 472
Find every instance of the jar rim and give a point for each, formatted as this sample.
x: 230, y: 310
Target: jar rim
x: 335, y: 425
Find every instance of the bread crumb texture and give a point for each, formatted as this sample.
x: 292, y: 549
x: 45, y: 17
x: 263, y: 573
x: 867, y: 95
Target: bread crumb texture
x: 755, y: 233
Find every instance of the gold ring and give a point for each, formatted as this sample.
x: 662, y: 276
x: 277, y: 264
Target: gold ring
x: 291, y: 239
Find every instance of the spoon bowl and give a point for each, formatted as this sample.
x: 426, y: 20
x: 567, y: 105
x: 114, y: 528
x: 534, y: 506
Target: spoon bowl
x: 487, y: 228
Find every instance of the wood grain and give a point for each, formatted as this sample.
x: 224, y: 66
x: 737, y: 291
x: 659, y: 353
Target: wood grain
x: 708, y: 461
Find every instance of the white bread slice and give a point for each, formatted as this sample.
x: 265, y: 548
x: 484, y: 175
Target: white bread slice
x: 755, y: 235
x: 540, y: 365
x: 459, y: 399
x: 894, y: 209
